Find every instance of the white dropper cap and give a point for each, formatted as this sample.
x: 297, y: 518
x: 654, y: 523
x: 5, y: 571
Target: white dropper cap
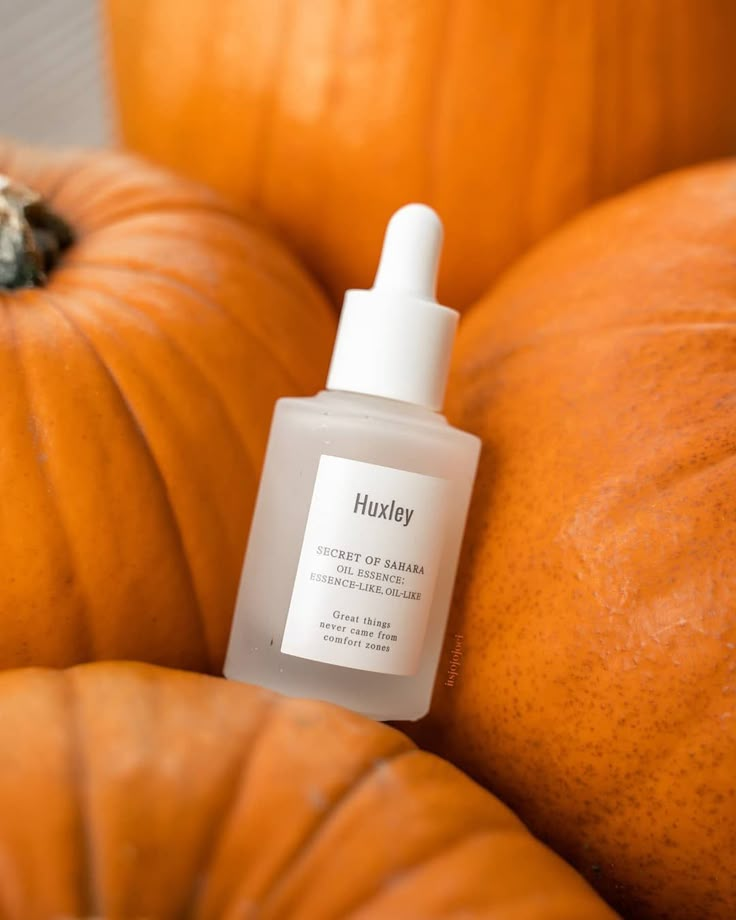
x: 395, y: 340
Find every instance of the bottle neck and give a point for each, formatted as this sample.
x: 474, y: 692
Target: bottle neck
x: 378, y: 405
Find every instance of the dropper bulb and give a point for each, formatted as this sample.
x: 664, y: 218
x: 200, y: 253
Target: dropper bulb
x: 411, y: 253
x: 395, y: 340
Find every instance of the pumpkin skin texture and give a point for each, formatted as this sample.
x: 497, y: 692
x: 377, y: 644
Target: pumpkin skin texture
x: 141, y: 792
x: 138, y: 386
x: 506, y: 116
x: 597, y: 595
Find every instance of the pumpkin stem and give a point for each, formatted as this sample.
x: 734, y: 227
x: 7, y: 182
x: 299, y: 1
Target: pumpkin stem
x: 31, y: 236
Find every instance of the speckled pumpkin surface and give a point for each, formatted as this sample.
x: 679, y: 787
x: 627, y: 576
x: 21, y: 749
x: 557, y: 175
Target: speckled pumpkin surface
x: 597, y: 598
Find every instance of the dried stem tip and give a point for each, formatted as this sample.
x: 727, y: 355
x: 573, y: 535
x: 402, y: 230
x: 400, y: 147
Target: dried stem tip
x: 31, y: 236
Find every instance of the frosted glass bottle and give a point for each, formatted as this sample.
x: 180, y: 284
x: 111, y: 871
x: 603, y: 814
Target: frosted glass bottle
x: 359, y: 519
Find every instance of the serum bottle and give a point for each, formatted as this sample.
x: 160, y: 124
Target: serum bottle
x: 356, y: 534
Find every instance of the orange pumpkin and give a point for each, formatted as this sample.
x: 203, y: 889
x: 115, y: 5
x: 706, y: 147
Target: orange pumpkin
x: 507, y: 116
x: 130, y: 791
x: 596, y: 611
x: 138, y: 384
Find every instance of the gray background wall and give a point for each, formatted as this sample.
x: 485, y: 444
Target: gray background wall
x: 53, y: 82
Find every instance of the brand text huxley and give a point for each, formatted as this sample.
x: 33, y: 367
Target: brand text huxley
x: 389, y: 511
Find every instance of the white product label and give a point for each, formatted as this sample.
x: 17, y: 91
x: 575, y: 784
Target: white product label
x: 368, y: 566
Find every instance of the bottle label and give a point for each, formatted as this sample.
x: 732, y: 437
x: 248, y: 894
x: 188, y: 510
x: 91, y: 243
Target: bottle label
x: 368, y: 566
